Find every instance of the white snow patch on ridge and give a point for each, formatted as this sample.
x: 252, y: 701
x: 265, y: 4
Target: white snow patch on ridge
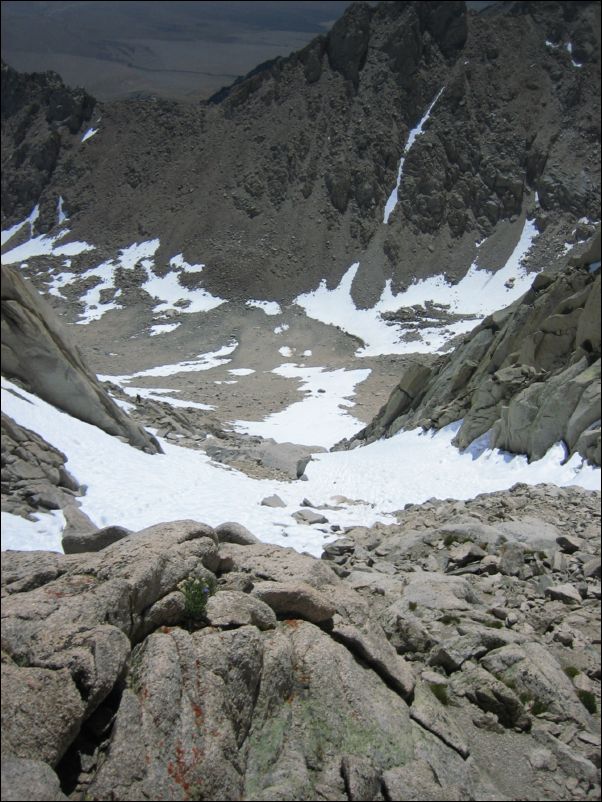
x: 170, y: 294
x: 200, y: 362
x: 89, y: 134
x: 163, y: 328
x: 269, y: 307
x: 414, y: 133
x: 9, y: 233
x: 167, y: 290
x: 480, y: 293
x: 43, y: 534
x: 60, y: 212
x: 42, y: 245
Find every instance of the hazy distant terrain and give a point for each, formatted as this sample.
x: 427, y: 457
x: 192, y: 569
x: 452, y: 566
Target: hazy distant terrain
x: 185, y: 50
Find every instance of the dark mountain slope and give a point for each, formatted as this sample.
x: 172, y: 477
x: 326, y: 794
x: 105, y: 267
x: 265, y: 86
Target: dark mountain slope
x: 40, y: 117
x: 285, y: 180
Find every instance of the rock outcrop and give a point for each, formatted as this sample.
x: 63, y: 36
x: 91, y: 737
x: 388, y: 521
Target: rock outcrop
x: 34, y: 477
x: 37, y: 350
x: 40, y: 116
x: 529, y: 374
x: 416, y: 661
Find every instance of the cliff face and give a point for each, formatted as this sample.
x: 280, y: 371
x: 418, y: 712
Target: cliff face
x: 40, y: 118
x: 38, y: 351
x: 282, y: 180
x: 530, y: 373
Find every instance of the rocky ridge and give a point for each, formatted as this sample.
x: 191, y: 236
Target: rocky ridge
x: 38, y: 351
x: 529, y: 374
x: 41, y: 118
x: 418, y: 660
x: 34, y: 476
x: 283, y: 180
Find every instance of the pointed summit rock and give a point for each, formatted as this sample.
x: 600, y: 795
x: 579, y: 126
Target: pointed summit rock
x: 38, y: 351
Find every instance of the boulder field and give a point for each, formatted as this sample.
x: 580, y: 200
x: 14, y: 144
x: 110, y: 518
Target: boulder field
x: 453, y: 655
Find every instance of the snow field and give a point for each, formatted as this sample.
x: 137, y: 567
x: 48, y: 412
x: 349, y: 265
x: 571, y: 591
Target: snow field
x: 319, y: 419
x: 480, y: 292
x: 136, y: 490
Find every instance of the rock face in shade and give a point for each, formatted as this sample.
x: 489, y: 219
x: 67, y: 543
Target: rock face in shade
x: 37, y: 350
x: 529, y: 373
x: 40, y: 116
x: 297, y: 683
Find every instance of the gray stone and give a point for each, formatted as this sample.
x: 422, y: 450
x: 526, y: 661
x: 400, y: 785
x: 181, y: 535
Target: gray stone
x: 417, y: 781
x: 231, y: 532
x: 569, y: 760
x: 273, y: 501
x: 569, y: 544
x: 264, y: 561
x: 338, y: 548
x: 228, y: 608
x: 315, y: 696
x: 543, y: 759
x: 466, y: 553
x: 534, y: 673
x: 438, y: 592
x: 186, y: 712
x: 565, y: 593
x: 302, y: 465
x: 404, y: 630
x: 78, y: 543
x: 430, y: 713
x: 512, y: 559
x: 362, y: 778
x: 371, y: 644
x: 24, y: 779
x: 295, y: 600
x: 492, y: 695
x: 166, y: 612
x: 34, y: 695
x: 592, y: 568
x: 309, y: 517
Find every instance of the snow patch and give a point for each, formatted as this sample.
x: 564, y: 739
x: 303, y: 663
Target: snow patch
x: 124, y: 483
x: 480, y: 293
x: 43, y: 245
x: 45, y: 533
x: 30, y: 220
x: 414, y: 134
x: 161, y: 395
x: 269, y: 307
x: 89, y: 134
x: 60, y: 211
x: 569, y: 49
x: 170, y: 294
x: 321, y: 418
x: 163, y: 328
x: 200, y: 362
